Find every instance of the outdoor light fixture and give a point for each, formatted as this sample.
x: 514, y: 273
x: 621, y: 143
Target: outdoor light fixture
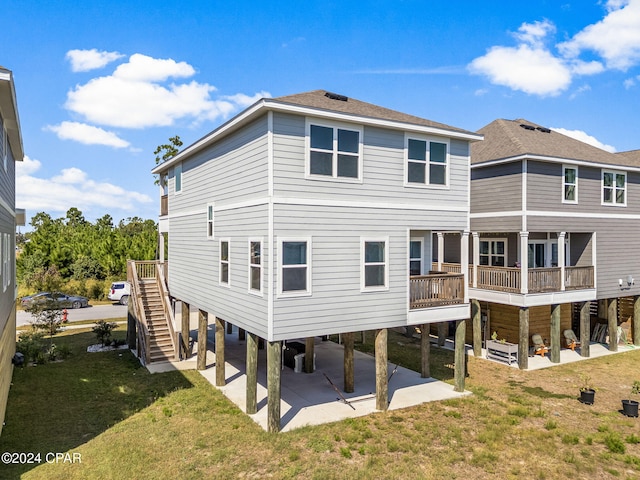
x: 630, y: 282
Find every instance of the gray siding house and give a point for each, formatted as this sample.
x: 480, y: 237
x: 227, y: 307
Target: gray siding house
x: 554, y: 222
x: 313, y: 214
x: 10, y: 152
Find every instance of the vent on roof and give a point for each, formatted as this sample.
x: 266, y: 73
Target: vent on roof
x: 543, y: 129
x: 335, y: 96
x: 527, y: 127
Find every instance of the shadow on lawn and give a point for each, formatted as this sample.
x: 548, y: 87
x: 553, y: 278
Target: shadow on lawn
x: 59, y: 406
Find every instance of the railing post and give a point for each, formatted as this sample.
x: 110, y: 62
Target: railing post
x: 464, y: 246
x: 476, y: 258
x: 561, y: 259
x: 524, y: 260
x: 440, y: 236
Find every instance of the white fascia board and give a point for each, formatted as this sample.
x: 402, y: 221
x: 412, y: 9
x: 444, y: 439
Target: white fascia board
x: 267, y: 104
x: 9, y: 108
x: 542, y: 158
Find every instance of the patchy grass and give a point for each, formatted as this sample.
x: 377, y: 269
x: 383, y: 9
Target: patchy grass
x: 126, y: 423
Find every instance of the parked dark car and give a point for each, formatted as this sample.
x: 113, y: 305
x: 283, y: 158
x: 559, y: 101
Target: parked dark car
x: 62, y: 300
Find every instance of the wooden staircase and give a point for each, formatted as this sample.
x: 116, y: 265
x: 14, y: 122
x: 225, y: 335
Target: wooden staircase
x: 160, y: 346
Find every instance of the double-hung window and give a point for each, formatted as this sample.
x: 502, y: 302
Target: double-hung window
x: 415, y: 257
x: 224, y: 263
x: 427, y: 162
x: 334, y: 152
x: 570, y: 184
x: 295, y: 271
x: 614, y: 188
x: 210, y: 230
x: 493, y: 252
x: 375, y: 264
x: 177, y: 173
x: 255, y: 266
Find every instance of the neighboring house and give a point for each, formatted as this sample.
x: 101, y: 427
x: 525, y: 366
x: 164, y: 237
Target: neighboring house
x: 313, y: 214
x: 10, y: 152
x: 554, y: 222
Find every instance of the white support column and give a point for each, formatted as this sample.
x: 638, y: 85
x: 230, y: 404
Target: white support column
x: 440, y: 250
x: 476, y: 259
x: 464, y: 263
x: 161, y: 246
x: 524, y: 261
x: 561, y: 259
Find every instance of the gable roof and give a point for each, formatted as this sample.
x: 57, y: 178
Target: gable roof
x: 321, y: 103
x: 321, y: 99
x: 631, y: 156
x: 9, y: 113
x: 508, y: 140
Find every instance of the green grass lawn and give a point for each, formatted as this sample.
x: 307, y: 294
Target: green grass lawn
x: 123, y: 422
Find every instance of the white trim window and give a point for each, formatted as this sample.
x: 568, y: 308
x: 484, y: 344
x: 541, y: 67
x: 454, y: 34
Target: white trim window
x: 374, y: 254
x: 334, y: 151
x: 569, y: 184
x: 415, y: 257
x: 295, y: 266
x: 493, y: 252
x: 4, y: 145
x: 225, y: 262
x: 210, y: 221
x: 427, y: 162
x: 177, y: 175
x: 614, y: 188
x: 255, y: 266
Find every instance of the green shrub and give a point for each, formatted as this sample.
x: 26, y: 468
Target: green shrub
x: 103, y: 331
x: 30, y: 344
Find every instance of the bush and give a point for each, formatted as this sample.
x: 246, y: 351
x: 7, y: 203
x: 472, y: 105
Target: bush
x: 30, y: 344
x: 103, y: 331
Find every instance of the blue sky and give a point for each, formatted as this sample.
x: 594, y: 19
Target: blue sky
x: 101, y: 84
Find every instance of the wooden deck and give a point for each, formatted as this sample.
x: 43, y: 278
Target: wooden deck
x: 539, y: 280
x: 436, y: 290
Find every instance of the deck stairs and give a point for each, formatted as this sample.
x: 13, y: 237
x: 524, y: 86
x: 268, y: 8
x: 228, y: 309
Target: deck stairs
x: 160, y: 345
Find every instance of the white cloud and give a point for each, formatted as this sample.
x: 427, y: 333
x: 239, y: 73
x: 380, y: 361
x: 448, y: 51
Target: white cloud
x: 532, y: 70
x: 87, y: 134
x: 72, y: 187
x: 134, y: 96
x: 616, y: 38
x: 586, y: 138
x: 85, y: 60
x: 629, y: 82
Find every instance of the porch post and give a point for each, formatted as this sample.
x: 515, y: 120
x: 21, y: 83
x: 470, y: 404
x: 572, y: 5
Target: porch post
x: 425, y: 351
x: 476, y: 258
x: 252, y: 373
x: 464, y: 263
x: 382, y: 381
x: 523, y: 342
x: 476, y: 327
x: 561, y: 261
x: 555, y: 333
x: 161, y: 246
x: 184, y: 313
x: 203, y: 322
x: 443, y: 328
x: 585, y: 329
x: 612, y: 316
x: 347, y: 342
x: 635, y: 327
x: 220, y: 374
x: 309, y: 352
x: 459, y: 357
x: 524, y: 264
x: 274, y: 368
x: 440, y: 250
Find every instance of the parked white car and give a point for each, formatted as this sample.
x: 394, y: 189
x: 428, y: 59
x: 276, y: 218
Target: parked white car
x: 120, y: 292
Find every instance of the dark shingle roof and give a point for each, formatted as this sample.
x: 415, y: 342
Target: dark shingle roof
x: 321, y: 99
x: 505, y: 139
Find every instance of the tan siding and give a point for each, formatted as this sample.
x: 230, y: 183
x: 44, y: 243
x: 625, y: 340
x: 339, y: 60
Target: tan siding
x: 7, y: 350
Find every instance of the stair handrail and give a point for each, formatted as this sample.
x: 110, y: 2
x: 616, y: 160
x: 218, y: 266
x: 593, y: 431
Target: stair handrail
x: 166, y: 305
x: 142, y: 329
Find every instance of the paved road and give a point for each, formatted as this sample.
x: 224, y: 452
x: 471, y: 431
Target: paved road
x: 98, y: 312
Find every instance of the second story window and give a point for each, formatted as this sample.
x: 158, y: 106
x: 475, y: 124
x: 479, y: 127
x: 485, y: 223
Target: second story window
x: 334, y: 152
x: 614, y: 186
x: 255, y: 266
x: 210, y: 230
x: 426, y: 162
x: 177, y: 172
x: 570, y: 185
x: 295, y: 267
x: 493, y: 253
x: 224, y: 263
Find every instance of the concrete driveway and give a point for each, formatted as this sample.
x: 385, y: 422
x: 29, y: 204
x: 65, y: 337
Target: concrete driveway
x: 98, y: 312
